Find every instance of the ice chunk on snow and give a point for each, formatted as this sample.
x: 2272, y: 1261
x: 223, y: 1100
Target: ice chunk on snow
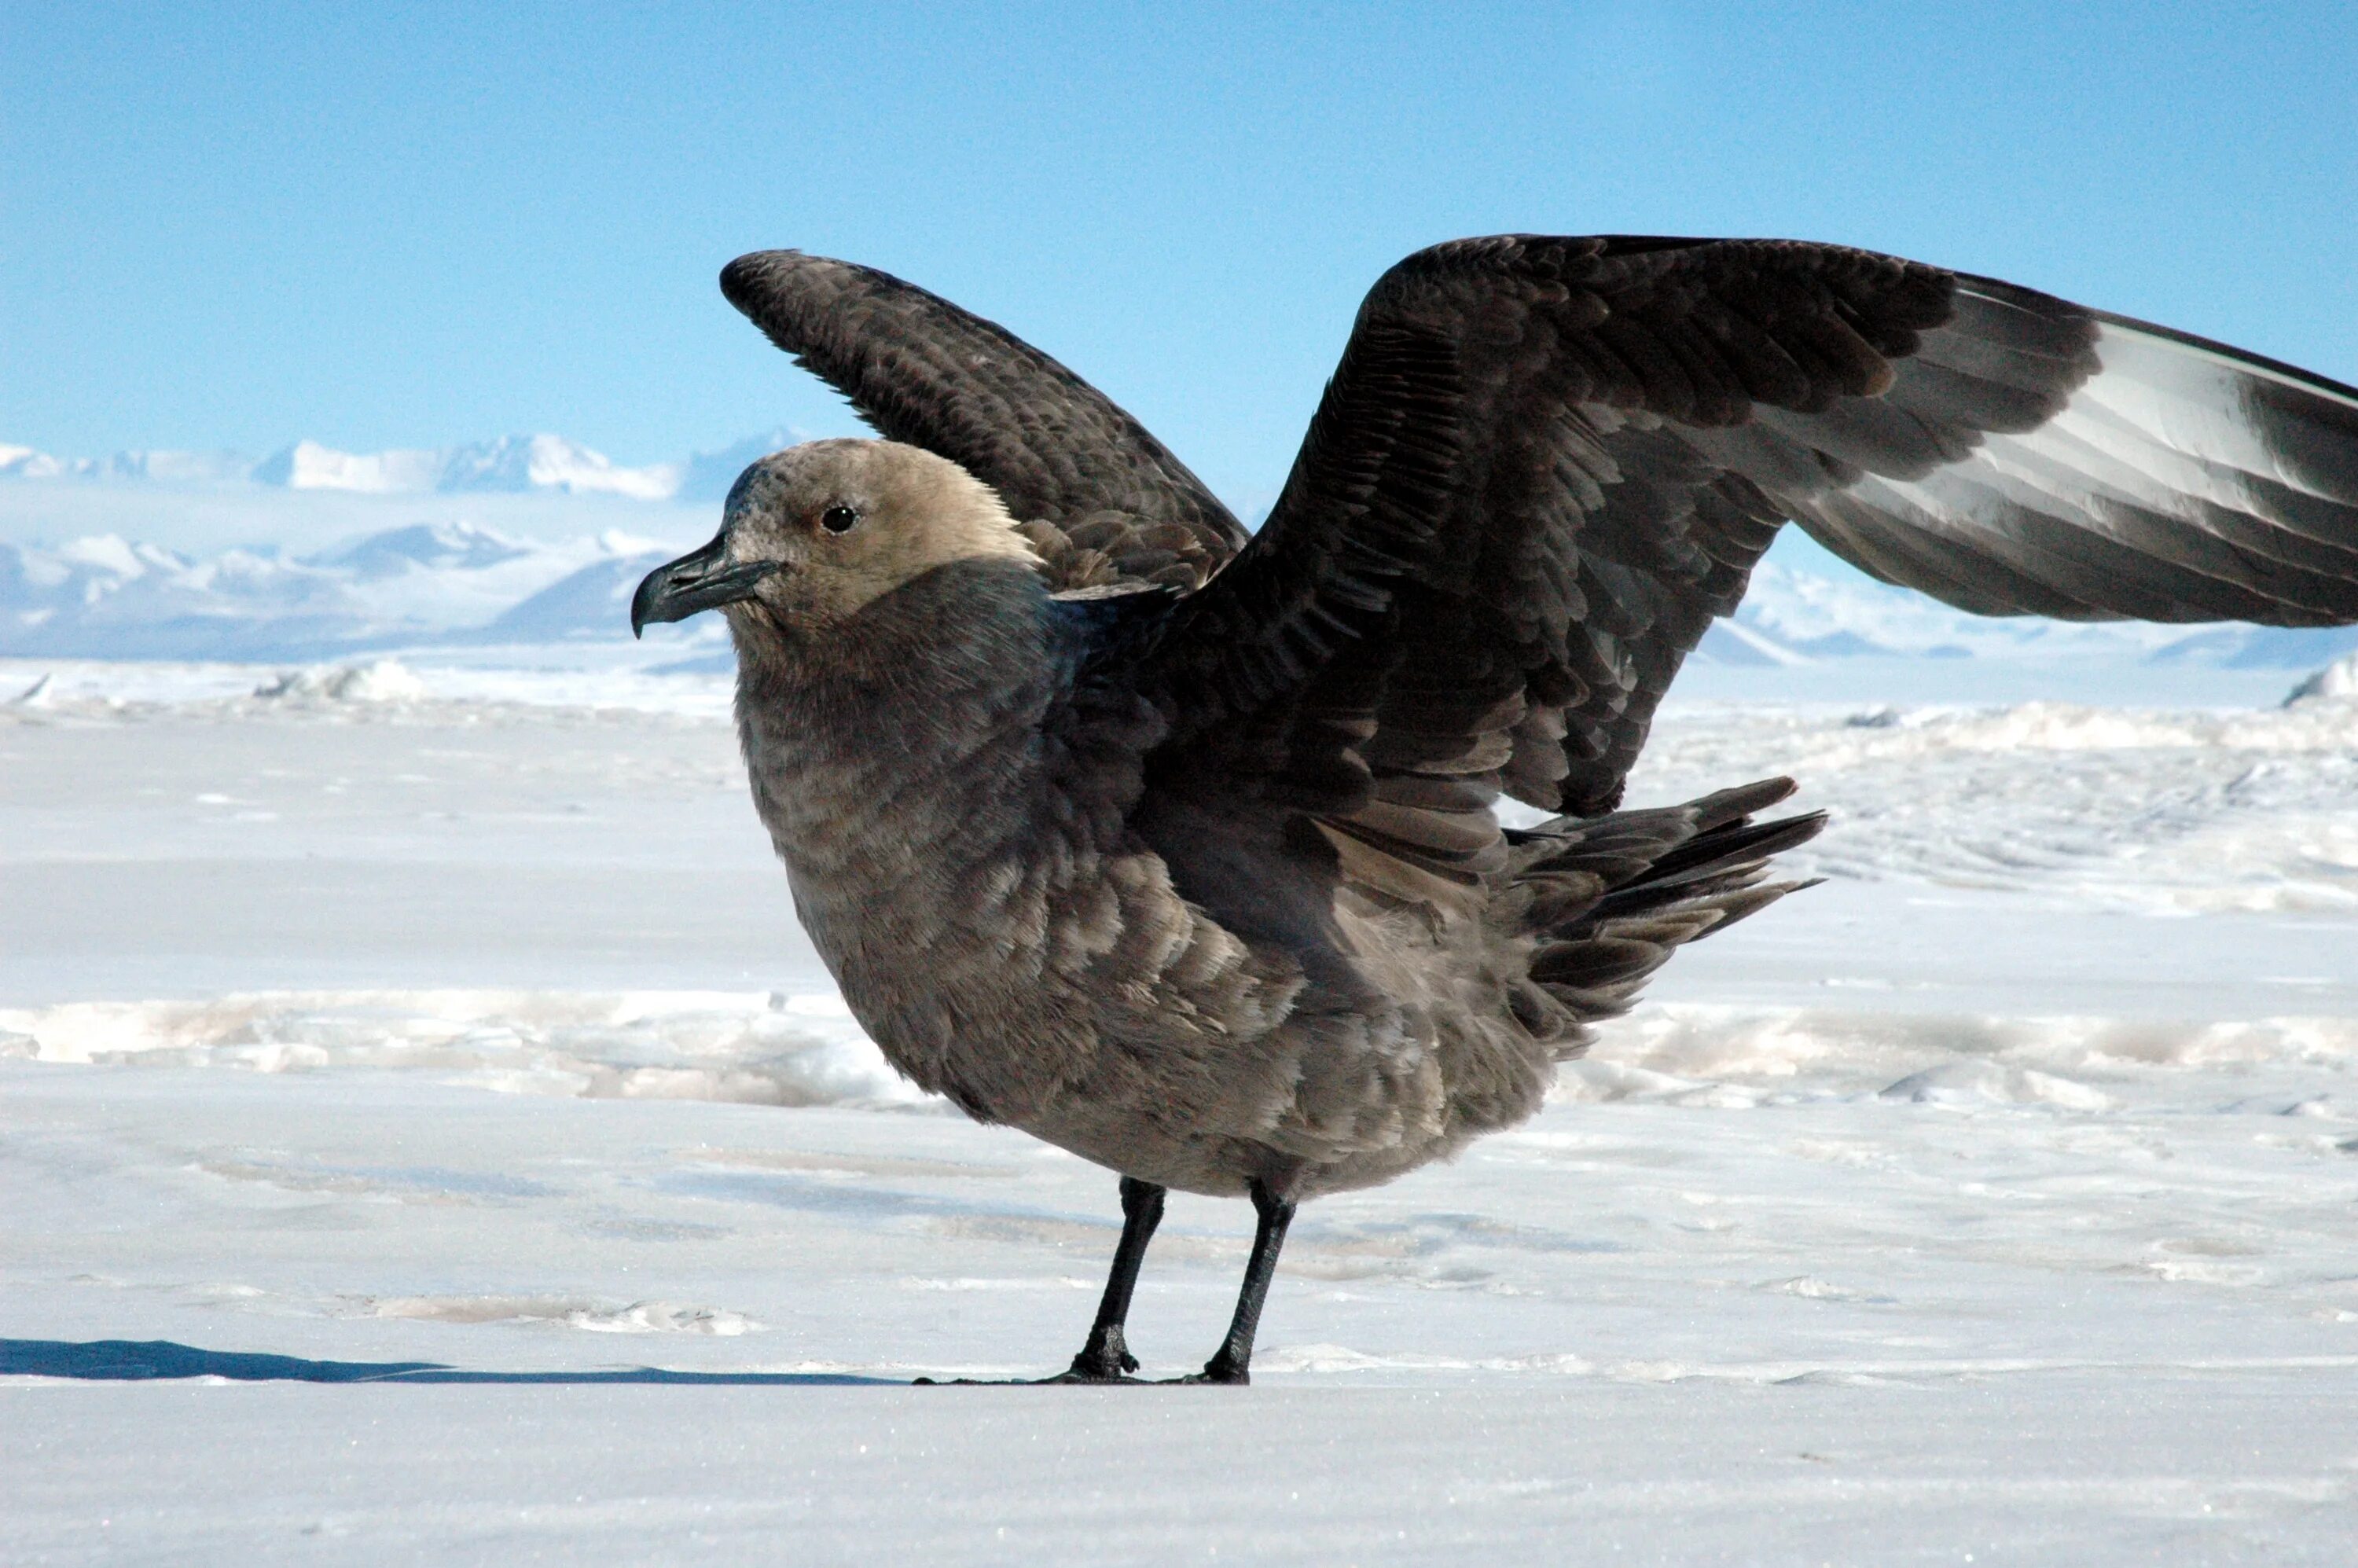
x: 383, y: 680
x: 2338, y: 680
x: 1969, y: 1081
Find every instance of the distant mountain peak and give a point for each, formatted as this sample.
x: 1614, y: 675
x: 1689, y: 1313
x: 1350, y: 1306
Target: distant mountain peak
x: 709, y: 475
x: 24, y: 462
x: 165, y: 467
x: 308, y: 465
x: 458, y: 545
x: 515, y: 464
x: 552, y: 462
x: 512, y: 463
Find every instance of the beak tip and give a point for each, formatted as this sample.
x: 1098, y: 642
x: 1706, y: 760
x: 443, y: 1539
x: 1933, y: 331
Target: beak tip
x: 642, y: 602
x: 696, y: 581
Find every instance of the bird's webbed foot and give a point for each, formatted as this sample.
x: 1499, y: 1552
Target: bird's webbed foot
x: 1217, y: 1371
x: 1104, y: 1360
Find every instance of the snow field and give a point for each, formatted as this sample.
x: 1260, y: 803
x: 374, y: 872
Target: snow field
x: 1992, y: 1200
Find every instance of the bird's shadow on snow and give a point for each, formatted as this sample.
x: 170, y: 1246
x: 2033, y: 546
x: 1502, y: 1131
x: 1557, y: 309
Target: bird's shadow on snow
x: 139, y: 1361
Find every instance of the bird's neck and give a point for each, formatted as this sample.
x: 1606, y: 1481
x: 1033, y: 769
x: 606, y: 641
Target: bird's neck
x: 896, y: 752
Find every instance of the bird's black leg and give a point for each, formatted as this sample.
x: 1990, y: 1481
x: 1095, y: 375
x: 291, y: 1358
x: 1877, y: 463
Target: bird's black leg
x: 1232, y: 1362
x: 1106, y: 1358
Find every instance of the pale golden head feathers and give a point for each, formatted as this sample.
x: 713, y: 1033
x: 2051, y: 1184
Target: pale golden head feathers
x: 849, y: 521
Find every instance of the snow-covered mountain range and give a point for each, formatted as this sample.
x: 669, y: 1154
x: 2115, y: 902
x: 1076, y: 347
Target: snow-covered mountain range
x: 458, y: 584
x: 347, y: 553
x: 437, y: 584
x: 1807, y: 608
x: 511, y: 464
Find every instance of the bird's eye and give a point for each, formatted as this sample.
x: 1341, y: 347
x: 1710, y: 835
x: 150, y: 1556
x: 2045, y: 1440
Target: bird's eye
x: 840, y: 518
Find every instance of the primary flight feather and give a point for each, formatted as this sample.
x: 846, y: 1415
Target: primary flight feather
x: 1174, y: 846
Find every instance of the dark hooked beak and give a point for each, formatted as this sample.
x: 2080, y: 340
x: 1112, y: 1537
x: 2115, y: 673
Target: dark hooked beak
x: 697, y: 580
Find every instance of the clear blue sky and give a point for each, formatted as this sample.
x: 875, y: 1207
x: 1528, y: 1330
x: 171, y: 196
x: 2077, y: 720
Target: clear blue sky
x: 391, y: 225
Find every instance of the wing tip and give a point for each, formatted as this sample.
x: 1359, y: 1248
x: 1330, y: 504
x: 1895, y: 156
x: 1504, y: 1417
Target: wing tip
x: 745, y: 280
x: 2256, y: 366
x: 2245, y: 361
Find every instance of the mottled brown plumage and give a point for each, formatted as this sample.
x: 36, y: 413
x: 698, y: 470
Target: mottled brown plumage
x: 1176, y: 847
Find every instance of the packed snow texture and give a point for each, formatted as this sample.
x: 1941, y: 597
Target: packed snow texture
x: 765, y: 1049
x: 444, y: 1028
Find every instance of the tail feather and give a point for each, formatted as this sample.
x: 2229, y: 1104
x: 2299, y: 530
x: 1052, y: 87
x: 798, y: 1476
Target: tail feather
x: 1723, y: 807
x: 1728, y: 858
x: 1609, y: 898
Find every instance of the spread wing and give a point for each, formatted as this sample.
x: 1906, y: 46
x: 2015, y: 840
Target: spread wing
x: 1544, y: 465
x: 1105, y: 501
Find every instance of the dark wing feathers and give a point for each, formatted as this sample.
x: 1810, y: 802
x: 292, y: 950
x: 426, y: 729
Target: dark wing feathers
x: 1498, y: 505
x: 2166, y: 478
x: 1544, y: 465
x: 1104, y: 499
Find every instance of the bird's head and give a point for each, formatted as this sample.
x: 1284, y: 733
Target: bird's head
x: 812, y: 535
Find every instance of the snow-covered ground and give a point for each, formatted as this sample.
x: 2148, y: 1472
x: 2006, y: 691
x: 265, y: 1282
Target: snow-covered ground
x: 444, y: 1029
